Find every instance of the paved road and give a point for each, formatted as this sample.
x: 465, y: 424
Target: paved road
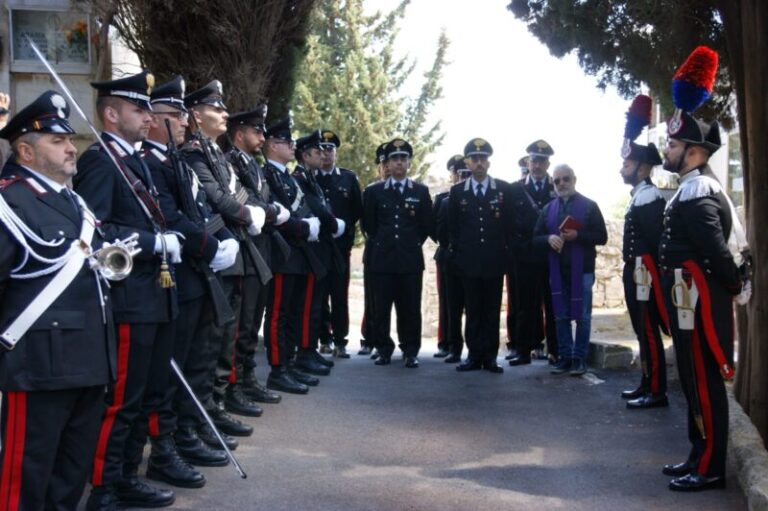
x: 375, y: 438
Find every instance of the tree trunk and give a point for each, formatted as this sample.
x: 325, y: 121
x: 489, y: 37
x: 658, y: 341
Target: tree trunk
x: 746, y: 27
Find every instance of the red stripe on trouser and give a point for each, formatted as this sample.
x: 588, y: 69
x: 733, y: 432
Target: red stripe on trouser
x: 13, y: 450
x: 123, y: 350
x: 307, y: 311
x: 233, y: 372
x: 154, y: 424
x: 653, y: 355
x: 706, y: 407
x: 440, y: 309
x: 650, y: 265
x: 274, y: 350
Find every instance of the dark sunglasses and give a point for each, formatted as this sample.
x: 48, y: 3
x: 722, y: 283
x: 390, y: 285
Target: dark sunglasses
x: 564, y: 179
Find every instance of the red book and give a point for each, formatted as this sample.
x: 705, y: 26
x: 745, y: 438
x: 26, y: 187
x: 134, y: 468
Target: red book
x: 570, y: 223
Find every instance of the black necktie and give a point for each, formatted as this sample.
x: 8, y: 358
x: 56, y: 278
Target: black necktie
x: 71, y: 199
x: 145, y: 175
x: 479, y: 190
x: 397, y: 187
x: 538, y: 186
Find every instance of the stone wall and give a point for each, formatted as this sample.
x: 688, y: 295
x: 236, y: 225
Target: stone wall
x: 609, y: 288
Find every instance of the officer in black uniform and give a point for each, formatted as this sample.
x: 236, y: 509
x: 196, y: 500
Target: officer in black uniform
x: 118, y: 186
x: 183, y: 203
x: 479, y: 221
x: 366, y: 324
x: 342, y: 191
x: 642, y: 230
x: 523, y: 164
x: 245, y: 133
x: 228, y: 197
x: 511, y: 281
x: 529, y: 263
x: 701, y: 245
x: 450, y: 340
x: 53, y: 381
x: 398, y: 219
x: 287, y: 291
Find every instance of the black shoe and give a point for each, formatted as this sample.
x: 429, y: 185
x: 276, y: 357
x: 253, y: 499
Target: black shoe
x: 131, y: 492
x: 374, y: 354
x: 102, y: 498
x: 679, y: 469
x: 510, y: 354
x: 539, y: 354
x: 633, y: 394
x: 696, y: 482
x: 303, y: 378
x: 441, y: 353
x: 321, y: 359
x: 306, y: 363
x: 519, y: 360
x: 452, y: 359
x: 165, y: 464
x: 283, y: 382
x: 492, y: 367
x: 195, y: 452
x: 225, y: 423
x: 209, y: 438
x: 340, y: 352
x: 382, y: 360
x: 578, y: 367
x: 469, y: 365
x: 551, y: 359
x: 562, y: 366
x: 364, y: 350
x: 326, y: 348
x: 237, y: 402
x: 411, y: 362
x: 259, y: 393
x: 648, y: 401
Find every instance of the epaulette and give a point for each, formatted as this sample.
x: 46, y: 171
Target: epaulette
x: 157, y: 154
x: 8, y: 181
x: 646, y: 196
x: 698, y: 187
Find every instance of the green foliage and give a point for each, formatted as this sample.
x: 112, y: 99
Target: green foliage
x: 352, y: 83
x: 626, y: 42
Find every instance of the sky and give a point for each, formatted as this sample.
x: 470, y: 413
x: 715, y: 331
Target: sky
x: 503, y: 85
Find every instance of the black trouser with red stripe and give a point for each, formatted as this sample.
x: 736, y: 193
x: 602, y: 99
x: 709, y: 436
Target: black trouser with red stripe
x: 335, y: 305
x: 49, y: 438
x: 648, y: 330
x: 511, y: 280
x: 404, y: 291
x: 312, y: 312
x: 442, y: 307
x: 247, y: 336
x: 226, y: 337
x: 535, y: 317
x: 482, y: 299
x: 285, y: 316
x: 454, y: 290
x: 700, y: 376
x: 143, y: 375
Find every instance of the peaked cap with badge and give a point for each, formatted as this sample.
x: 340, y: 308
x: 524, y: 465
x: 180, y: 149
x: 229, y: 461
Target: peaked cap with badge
x: 256, y: 118
x: 540, y: 148
x: 135, y: 88
x: 49, y: 113
x: 478, y: 147
x: 456, y: 163
x: 329, y: 138
x: 380, y: 152
x: 170, y: 93
x: 523, y: 162
x: 281, y: 130
x: 397, y: 147
x: 212, y: 94
x: 313, y: 140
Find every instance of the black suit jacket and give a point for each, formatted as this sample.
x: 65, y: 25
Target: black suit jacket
x: 342, y: 190
x: 527, y: 203
x: 70, y: 345
x: 397, y: 225
x: 139, y: 298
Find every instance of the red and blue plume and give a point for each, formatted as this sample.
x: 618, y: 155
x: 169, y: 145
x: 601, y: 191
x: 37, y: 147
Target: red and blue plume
x: 693, y: 81
x: 638, y: 117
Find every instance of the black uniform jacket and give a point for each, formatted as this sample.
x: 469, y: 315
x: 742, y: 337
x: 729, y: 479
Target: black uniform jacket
x: 397, y: 225
x: 342, y: 191
x: 198, y: 246
x: 697, y: 223
x: 643, y: 223
x: 139, y: 298
x: 440, y: 234
x: 478, y: 228
x: 69, y: 345
x: 527, y: 204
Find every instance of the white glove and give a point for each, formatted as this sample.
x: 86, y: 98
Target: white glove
x: 746, y: 293
x: 282, y: 213
x: 225, y: 255
x: 340, y: 226
x: 172, y: 246
x: 258, y: 216
x: 314, y: 227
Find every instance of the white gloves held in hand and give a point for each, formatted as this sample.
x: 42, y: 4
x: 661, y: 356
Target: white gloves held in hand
x: 340, y: 226
x: 172, y: 246
x: 258, y: 216
x: 314, y: 227
x: 283, y: 214
x: 225, y: 255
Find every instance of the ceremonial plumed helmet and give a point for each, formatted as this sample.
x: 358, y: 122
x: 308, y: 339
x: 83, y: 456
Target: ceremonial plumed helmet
x: 398, y: 147
x: 643, y: 154
x: 135, y: 88
x: 539, y: 148
x: 49, y: 113
x: 255, y: 118
x: 329, y: 138
x: 170, y: 93
x: 637, y: 118
x: 478, y: 147
x: 211, y: 94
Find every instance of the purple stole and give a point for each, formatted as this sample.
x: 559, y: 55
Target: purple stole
x: 578, y: 212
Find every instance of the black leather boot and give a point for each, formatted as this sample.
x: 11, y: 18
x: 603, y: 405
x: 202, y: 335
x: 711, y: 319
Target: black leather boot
x: 306, y: 362
x: 206, y: 434
x: 256, y: 391
x: 225, y: 423
x: 131, y: 492
x: 237, y: 402
x: 194, y: 451
x: 279, y: 379
x: 166, y: 465
x: 102, y: 498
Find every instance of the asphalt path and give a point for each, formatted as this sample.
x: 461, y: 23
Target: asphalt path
x: 391, y: 438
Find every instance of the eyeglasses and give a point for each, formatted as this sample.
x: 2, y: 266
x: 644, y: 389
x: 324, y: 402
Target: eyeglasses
x: 564, y: 179
x: 182, y: 116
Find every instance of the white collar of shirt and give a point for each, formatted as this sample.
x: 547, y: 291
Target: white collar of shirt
x: 279, y: 166
x: 334, y: 170
x: 403, y: 183
x: 129, y: 148
x: 483, y: 185
x: 57, y: 187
